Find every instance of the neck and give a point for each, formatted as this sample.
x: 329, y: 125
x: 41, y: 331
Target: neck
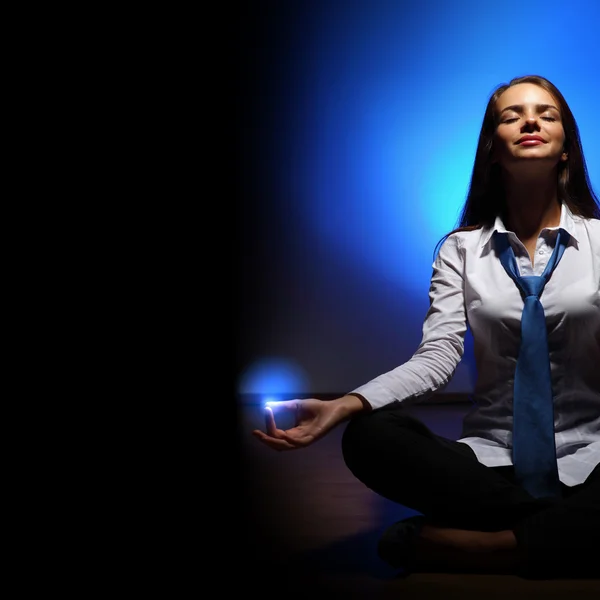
x: 532, y: 204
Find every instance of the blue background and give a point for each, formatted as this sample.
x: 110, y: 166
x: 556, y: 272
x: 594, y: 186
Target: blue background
x: 359, y: 122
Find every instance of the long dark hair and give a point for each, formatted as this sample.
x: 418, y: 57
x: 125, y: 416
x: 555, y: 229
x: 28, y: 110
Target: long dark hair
x: 485, y: 198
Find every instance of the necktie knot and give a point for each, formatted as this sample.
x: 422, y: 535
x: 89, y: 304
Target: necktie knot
x: 532, y: 285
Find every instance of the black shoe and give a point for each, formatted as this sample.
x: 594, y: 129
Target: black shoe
x: 397, y: 545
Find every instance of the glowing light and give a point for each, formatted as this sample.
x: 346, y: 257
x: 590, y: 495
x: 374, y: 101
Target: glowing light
x: 273, y: 377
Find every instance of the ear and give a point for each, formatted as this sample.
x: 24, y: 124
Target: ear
x: 564, y: 156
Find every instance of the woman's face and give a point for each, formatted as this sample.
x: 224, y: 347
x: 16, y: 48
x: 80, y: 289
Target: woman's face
x: 530, y: 129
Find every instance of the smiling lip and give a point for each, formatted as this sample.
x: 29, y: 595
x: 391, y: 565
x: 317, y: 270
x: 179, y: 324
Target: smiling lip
x: 531, y: 140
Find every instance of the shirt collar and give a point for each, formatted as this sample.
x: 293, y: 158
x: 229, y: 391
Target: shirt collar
x: 567, y: 222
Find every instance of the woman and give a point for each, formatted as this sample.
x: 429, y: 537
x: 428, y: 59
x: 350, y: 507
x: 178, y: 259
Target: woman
x: 529, y: 194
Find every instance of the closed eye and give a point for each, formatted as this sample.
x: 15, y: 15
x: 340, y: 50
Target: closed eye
x: 513, y: 119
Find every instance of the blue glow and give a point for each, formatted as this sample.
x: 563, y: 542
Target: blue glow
x: 273, y: 378
x: 393, y: 103
x: 379, y: 106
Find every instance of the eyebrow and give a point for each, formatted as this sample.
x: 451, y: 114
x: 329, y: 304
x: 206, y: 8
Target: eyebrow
x: 519, y: 108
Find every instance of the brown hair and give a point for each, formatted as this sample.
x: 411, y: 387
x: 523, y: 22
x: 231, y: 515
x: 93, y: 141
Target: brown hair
x: 485, y: 198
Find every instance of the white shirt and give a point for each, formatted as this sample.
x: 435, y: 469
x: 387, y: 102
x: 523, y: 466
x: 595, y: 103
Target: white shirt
x: 469, y: 287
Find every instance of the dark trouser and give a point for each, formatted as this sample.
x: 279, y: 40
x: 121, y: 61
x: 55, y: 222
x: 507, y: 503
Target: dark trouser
x: 399, y: 458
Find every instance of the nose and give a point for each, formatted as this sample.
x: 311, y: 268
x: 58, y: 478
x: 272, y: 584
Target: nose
x: 531, y: 123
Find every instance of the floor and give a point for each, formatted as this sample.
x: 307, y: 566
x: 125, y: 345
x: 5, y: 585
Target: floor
x: 310, y: 527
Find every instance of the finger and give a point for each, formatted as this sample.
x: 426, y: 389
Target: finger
x: 270, y: 425
x: 296, y: 437
x: 275, y: 443
x: 277, y: 405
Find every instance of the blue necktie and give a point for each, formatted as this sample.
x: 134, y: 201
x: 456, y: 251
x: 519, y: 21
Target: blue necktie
x: 534, y: 448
